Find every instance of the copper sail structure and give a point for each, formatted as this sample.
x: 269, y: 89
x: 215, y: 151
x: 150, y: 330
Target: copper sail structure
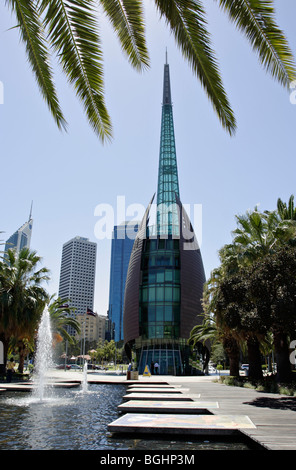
x: 165, y: 276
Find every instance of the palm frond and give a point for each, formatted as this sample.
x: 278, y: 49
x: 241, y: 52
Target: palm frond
x: 32, y: 34
x: 126, y: 17
x: 255, y: 18
x: 73, y: 33
x: 186, y: 19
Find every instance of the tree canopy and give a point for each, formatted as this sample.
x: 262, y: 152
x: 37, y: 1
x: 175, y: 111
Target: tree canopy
x: 252, y: 294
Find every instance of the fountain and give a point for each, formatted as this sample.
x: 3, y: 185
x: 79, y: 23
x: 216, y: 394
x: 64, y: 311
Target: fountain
x: 84, y: 381
x: 43, y: 358
x: 74, y: 420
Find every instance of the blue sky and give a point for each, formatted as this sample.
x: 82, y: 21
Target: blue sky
x: 68, y: 175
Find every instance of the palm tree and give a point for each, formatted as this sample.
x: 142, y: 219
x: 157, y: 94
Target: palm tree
x: 286, y: 211
x: 258, y: 237
x: 70, y: 30
x: 22, y: 297
x: 214, y: 328
x: 61, y: 317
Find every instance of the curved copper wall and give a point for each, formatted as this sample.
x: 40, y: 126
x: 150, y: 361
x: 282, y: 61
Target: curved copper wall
x: 192, y: 280
x: 132, y: 283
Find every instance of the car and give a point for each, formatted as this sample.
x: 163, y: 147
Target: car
x: 245, y: 367
x: 75, y: 366
x: 63, y: 366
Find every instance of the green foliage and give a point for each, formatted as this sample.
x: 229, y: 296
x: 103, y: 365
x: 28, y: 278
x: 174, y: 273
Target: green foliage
x: 22, y: 298
x: 61, y: 317
x: 251, y: 297
x: 70, y: 30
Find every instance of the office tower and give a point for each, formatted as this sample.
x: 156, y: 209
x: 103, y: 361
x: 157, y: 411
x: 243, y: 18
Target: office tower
x: 165, y: 277
x: 77, y: 276
x: 122, y: 243
x: 21, y: 238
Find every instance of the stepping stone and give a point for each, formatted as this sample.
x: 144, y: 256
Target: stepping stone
x: 141, y: 406
x: 181, y: 424
x: 28, y: 387
x: 156, y: 390
x: 160, y: 396
x: 66, y: 384
x: 153, y: 385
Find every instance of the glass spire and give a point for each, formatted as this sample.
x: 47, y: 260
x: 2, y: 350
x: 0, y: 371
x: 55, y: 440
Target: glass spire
x: 168, y: 185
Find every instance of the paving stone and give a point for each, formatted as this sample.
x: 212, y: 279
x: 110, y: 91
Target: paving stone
x: 160, y: 396
x: 150, y: 406
x: 180, y: 424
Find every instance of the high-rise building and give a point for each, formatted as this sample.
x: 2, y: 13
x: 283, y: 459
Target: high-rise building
x: 165, y: 279
x: 21, y: 238
x: 123, y: 238
x: 77, y: 276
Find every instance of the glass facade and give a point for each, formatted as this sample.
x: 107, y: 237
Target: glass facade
x: 21, y: 238
x: 122, y: 244
x: 169, y: 359
x: 160, y: 289
x: 168, y: 185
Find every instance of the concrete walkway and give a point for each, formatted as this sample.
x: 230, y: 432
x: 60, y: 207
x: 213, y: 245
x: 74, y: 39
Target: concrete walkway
x: 273, y: 415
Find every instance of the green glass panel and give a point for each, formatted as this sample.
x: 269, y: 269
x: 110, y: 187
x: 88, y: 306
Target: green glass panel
x: 176, y: 294
x: 168, y: 275
x: 151, y: 295
x: 160, y: 276
x: 168, y: 313
x: 151, y: 313
x: 160, y: 294
x: 144, y: 294
x: 161, y: 244
x: 152, y: 277
x: 151, y: 331
x: 159, y: 312
x: 176, y: 275
x: 168, y: 292
x: 159, y: 331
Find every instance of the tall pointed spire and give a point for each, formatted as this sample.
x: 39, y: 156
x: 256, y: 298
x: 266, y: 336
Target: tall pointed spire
x: 168, y: 184
x: 30, y: 215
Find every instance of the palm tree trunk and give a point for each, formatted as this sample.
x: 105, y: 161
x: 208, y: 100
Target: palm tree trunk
x: 22, y: 352
x: 232, y: 350
x: 254, y: 356
x: 284, y: 370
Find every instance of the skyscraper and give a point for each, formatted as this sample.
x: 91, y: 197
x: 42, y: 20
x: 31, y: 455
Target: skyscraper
x: 21, y: 238
x: 122, y: 243
x: 165, y: 277
x: 77, y: 276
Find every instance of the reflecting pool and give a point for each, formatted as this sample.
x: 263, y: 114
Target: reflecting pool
x: 75, y: 419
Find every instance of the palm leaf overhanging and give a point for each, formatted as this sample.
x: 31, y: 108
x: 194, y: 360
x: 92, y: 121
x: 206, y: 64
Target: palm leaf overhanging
x: 70, y: 29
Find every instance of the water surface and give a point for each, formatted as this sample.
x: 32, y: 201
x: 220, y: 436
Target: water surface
x: 75, y: 419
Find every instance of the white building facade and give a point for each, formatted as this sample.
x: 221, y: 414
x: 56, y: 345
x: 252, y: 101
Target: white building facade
x: 77, y: 276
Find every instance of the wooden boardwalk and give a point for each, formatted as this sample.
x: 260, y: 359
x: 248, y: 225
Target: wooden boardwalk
x: 273, y: 415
